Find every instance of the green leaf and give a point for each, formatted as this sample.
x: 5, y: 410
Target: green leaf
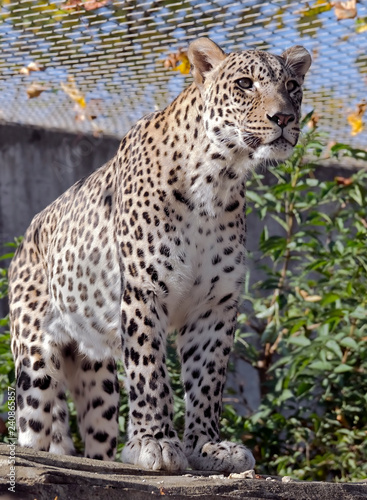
x: 343, y: 368
x: 357, y: 195
x: 266, y: 313
x: 274, y: 243
x: 360, y: 312
x: 286, y: 394
x: 254, y: 197
x: 358, y: 154
x: 303, y: 388
x: 312, y: 182
x: 335, y: 348
x: 323, y: 366
x: 317, y: 264
x: 329, y: 298
x: 7, y: 256
x: 297, y: 325
x: 280, y: 221
x: 306, y: 119
x: 339, y: 246
x: 350, y: 343
x: 299, y: 340
x: 270, y: 332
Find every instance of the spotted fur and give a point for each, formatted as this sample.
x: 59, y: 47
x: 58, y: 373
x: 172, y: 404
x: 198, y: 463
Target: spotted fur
x: 154, y: 241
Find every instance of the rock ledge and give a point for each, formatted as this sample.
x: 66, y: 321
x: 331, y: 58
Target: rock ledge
x: 43, y: 476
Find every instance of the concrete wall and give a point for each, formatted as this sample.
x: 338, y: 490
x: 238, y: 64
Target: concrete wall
x: 37, y: 165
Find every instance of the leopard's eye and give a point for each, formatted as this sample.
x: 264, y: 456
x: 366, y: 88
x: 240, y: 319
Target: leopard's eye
x: 292, y: 85
x: 245, y: 83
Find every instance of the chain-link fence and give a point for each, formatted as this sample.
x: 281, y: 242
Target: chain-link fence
x: 98, y: 65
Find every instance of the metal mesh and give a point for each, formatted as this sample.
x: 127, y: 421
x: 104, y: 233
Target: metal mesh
x: 113, y: 54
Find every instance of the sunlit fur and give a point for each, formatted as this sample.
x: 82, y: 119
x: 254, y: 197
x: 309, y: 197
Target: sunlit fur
x: 152, y: 242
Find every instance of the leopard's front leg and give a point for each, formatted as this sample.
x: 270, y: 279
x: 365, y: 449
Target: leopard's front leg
x: 153, y: 442
x: 204, y: 346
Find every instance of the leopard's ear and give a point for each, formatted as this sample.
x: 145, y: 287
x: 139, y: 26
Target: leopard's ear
x: 298, y: 59
x: 204, y: 55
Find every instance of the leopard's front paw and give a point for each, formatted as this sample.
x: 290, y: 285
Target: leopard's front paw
x: 155, y: 454
x: 222, y: 457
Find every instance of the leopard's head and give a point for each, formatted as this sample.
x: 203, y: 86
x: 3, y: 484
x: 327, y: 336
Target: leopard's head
x: 251, y: 99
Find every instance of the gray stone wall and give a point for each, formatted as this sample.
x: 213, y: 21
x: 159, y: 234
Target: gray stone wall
x: 36, y: 166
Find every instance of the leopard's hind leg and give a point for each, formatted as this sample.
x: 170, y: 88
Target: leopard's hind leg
x: 42, y: 416
x: 95, y: 390
x: 42, y: 413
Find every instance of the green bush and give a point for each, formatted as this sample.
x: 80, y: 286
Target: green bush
x: 309, y: 317
x: 304, y: 327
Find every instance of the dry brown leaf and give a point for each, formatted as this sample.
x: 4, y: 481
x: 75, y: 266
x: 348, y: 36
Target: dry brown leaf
x: 73, y: 92
x: 342, y: 420
x: 82, y: 111
x: 32, y: 66
x: 345, y: 10
x: 94, y: 4
x: 95, y: 108
x: 87, y: 5
x: 178, y: 61
x: 315, y: 53
x: 307, y: 297
x: 82, y: 114
x: 35, y: 90
x: 171, y: 61
x: 355, y: 119
x: 343, y: 181
x: 356, y: 123
x: 91, y: 111
x: 315, y: 9
x: 72, y: 5
x: 314, y: 120
x: 361, y: 25
x: 312, y: 298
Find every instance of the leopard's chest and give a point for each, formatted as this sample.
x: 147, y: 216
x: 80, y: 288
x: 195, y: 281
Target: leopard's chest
x: 196, y: 265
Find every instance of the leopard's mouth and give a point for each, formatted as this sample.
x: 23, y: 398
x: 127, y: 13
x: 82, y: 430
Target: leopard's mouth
x: 280, y: 141
x: 255, y: 142
x: 279, y: 149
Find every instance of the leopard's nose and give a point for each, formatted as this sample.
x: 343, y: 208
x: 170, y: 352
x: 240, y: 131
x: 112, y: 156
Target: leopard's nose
x: 282, y: 119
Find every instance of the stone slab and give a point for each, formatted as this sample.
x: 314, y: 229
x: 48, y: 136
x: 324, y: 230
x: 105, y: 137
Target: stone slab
x: 43, y: 476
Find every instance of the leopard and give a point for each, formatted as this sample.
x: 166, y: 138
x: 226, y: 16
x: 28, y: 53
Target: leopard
x: 152, y: 243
